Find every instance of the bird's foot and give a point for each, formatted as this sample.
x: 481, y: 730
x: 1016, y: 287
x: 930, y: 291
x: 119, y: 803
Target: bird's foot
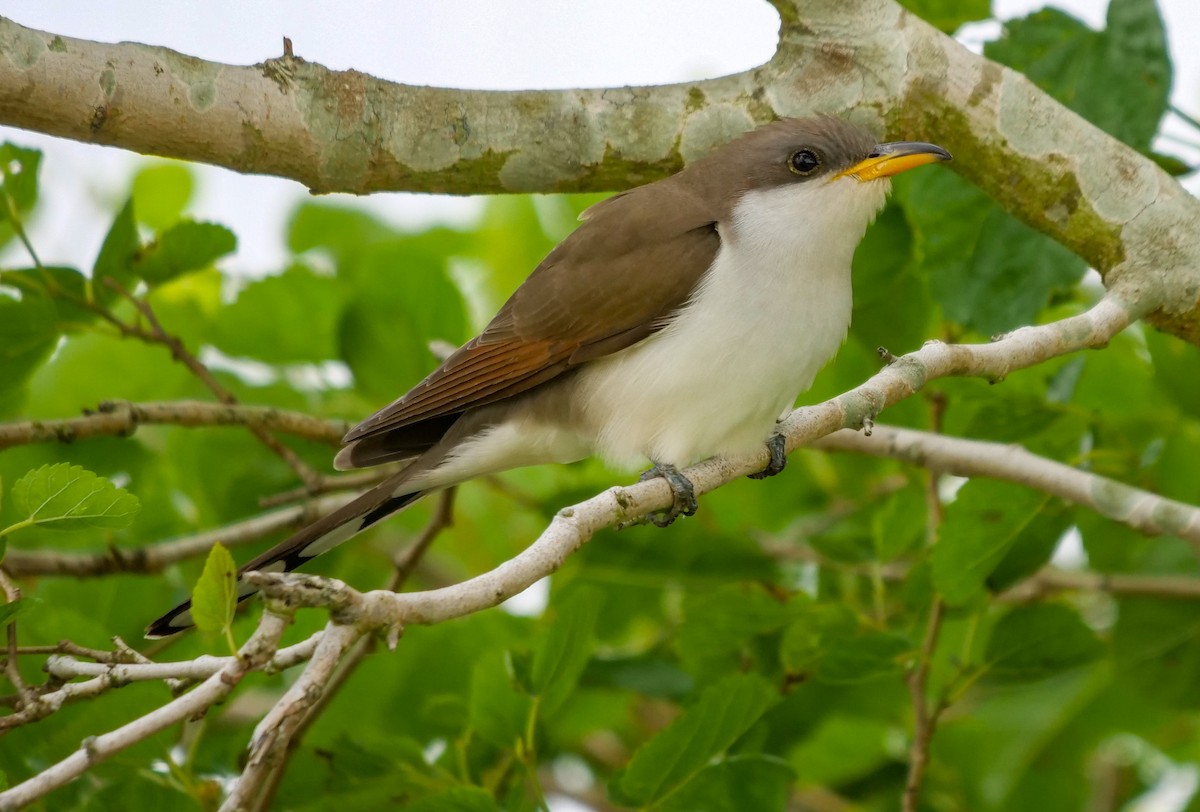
x: 778, y: 461
x: 681, y: 489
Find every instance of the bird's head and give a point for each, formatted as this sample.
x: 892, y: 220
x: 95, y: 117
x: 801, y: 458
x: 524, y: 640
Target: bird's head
x: 823, y: 174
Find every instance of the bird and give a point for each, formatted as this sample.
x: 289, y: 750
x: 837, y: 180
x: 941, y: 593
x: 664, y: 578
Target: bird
x: 680, y: 320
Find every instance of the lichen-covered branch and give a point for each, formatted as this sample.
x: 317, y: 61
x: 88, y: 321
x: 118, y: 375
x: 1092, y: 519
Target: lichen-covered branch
x: 866, y: 59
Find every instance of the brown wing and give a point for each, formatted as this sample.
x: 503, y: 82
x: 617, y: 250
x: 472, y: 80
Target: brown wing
x: 616, y: 279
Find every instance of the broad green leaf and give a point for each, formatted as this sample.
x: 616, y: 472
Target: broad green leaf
x: 402, y: 302
x: 28, y: 333
x: 456, y: 799
x: 898, y: 524
x: 116, y: 257
x: 1118, y: 79
x: 1175, y: 367
x: 186, y: 246
x: 161, y: 192
x: 1014, y: 273
x: 67, y: 497
x: 749, y: 783
x: 1033, y: 546
x: 844, y: 747
x: 1039, y: 640
x: 1156, y: 645
x: 979, y: 528
x: 498, y: 712
x: 214, y: 598
x: 719, y: 625
x: 948, y: 15
x: 806, y: 638
x: 564, y: 646
x: 262, y: 322
x: 862, y: 657
x: 707, y: 729
x: 988, y: 271
x: 341, y: 229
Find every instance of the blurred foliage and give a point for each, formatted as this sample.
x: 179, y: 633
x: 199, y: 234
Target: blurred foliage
x: 741, y: 660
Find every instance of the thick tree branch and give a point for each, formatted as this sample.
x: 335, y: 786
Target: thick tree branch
x: 868, y: 59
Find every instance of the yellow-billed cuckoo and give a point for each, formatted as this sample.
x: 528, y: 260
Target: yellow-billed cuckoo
x: 679, y: 321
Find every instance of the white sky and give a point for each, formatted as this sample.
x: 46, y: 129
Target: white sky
x: 501, y: 44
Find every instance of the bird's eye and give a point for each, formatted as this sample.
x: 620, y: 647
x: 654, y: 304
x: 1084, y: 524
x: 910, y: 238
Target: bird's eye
x: 804, y: 162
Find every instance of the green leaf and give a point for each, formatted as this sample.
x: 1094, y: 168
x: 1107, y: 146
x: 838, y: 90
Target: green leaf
x: 844, y: 747
x: 751, y: 783
x: 19, y: 173
x: 456, y: 799
x: 948, y: 15
x: 1033, y: 546
x: 989, y: 272
x: 186, y: 246
x: 723, y: 713
x: 28, y: 333
x: 261, y: 323
x: 1040, y: 640
x: 498, y: 712
x: 719, y: 625
x: 402, y: 302
x: 1014, y: 273
x: 341, y: 229
x: 66, y: 497
x: 865, y: 656
x: 14, y: 609
x: 1175, y: 365
x: 214, y: 598
x: 1119, y: 79
x: 564, y: 647
x: 161, y: 192
x: 116, y: 257
x: 980, y: 526
x: 1156, y: 644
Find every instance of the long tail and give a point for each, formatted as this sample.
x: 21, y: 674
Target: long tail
x: 309, y: 542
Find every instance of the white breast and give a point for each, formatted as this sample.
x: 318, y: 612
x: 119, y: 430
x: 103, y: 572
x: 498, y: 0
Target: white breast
x: 772, y: 310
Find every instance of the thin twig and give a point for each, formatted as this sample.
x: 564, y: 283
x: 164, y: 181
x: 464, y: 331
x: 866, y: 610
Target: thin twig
x: 153, y: 558
x: 925, y: 720
x: 122, y: 419
x: 180, y: 353
x: 257, y: 651
x: 12, y: 669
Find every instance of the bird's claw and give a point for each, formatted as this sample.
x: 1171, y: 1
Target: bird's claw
x: 682, y: 490
x: 778, y: 461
